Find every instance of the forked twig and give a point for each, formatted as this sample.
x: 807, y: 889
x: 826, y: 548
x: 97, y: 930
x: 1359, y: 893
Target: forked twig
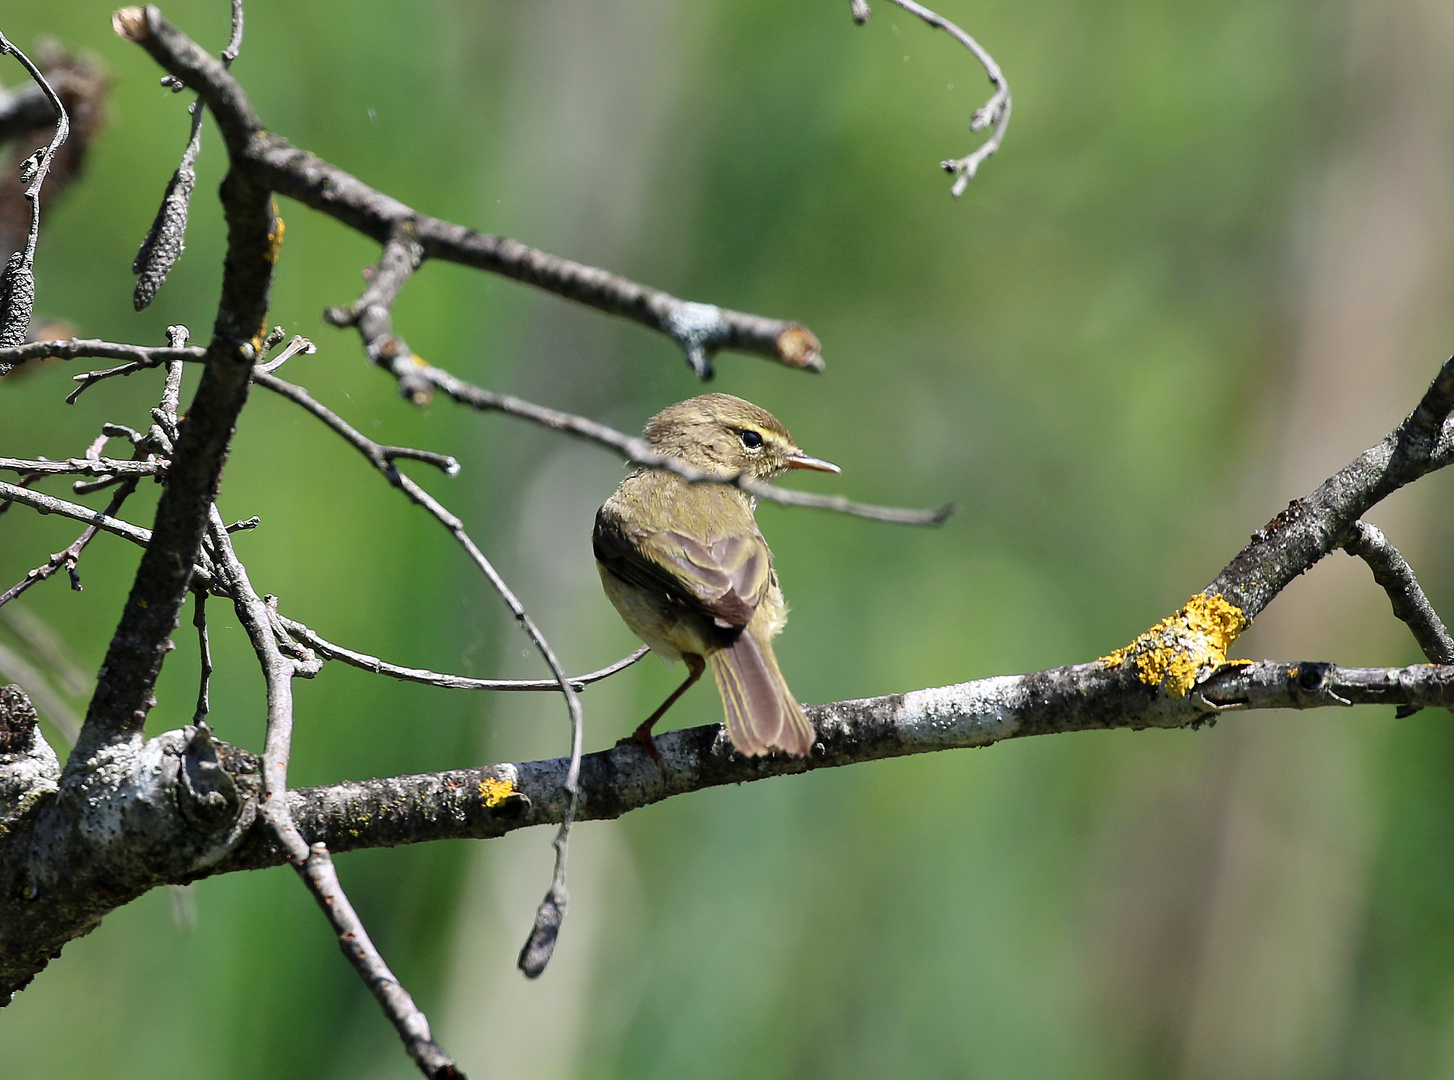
x: 994, y: 112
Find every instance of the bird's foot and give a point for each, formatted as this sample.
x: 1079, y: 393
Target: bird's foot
x: 642, y: 738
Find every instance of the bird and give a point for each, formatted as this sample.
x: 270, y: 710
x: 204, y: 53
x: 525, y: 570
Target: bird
x: 688, y: 569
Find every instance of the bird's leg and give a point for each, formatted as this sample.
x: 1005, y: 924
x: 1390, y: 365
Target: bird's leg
x: 695, y: 666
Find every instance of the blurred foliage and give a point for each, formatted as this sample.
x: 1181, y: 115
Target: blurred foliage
x: 1095, y: 351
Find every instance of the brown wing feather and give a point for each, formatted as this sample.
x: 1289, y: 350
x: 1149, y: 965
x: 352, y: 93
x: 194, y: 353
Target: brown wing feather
x: 725, y: 581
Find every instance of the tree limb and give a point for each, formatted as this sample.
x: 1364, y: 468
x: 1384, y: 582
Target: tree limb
x: 272, y: 162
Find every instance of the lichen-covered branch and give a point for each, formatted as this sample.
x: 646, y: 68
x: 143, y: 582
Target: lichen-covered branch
x: 1312, y: 527
x: 1185, y: 647
x: 497, y: 799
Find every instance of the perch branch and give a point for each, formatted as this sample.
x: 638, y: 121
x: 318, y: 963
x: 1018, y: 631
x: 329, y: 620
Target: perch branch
x: 496, y: 799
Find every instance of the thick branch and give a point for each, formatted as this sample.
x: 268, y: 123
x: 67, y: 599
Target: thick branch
x: 497, y: 799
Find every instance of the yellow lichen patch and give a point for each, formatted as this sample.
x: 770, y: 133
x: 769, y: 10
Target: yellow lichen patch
x: 493, y: 792
x: 1194, y: 639
x: 275, y: 238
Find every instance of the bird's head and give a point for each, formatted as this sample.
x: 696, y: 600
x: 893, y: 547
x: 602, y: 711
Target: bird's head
x: 725, y: 435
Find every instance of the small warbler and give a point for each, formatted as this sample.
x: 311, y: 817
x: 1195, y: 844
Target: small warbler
x: 690, y: 573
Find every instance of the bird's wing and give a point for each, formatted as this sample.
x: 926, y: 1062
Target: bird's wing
x: 725, y: 580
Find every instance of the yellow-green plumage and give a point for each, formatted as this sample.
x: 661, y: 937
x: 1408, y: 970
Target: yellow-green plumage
x: 690, y: 573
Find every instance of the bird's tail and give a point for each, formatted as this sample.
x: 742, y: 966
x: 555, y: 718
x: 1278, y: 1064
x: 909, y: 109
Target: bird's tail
x: 762, y: 713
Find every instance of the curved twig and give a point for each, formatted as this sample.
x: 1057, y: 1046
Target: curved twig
x: 365, y: 662
x: 994, y: 112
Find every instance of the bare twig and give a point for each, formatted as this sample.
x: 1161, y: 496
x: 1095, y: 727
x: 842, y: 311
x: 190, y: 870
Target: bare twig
x: 1394, y: 575
x: 94, y: 348
x: 40, y: 467
x: 541, y: 944
x: 71, y: 555
x: 413, y: 371
x: 312, y: 862
x: 358, y: 948
x: 330, y: 651
x: 1311, y: 527
x: 299, y: 344
x: 995, y: 112
x: 380, y: 456
x: 49, y: 504
x: 638, y: 451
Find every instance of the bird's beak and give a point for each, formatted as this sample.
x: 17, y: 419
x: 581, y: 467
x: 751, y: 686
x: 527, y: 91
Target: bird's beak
x: 800, y: 460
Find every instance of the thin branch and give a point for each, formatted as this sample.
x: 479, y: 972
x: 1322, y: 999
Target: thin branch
x: 330, y: 651
x: 24, y: 109
x: 372, y: 314
x: 94, y: 348
x: 272, y: 161
x: 312, y: 862
x: 353, y: 940
x: 1394, y: 575
x: 71, y: 555
x: 410, y: 370
x: 638, y: 451
x: 996, y: 111
x: 380, y: 456
x: 299, y: 344
x: 541, y: 944
x: 49, y: 504
x: 41, y: 467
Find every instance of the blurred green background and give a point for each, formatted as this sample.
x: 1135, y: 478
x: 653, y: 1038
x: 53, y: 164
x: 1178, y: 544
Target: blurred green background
x: 1210, y: 264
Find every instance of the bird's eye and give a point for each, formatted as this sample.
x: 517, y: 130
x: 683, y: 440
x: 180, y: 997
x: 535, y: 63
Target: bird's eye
x: 751, y: 439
